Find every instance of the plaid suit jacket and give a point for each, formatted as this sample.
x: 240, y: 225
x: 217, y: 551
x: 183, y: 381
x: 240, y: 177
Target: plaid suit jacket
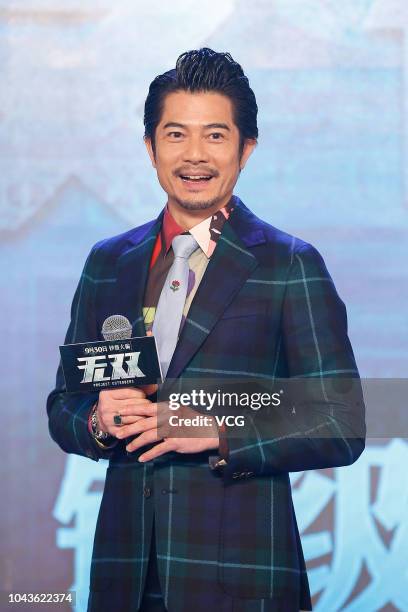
x: 227, y: 539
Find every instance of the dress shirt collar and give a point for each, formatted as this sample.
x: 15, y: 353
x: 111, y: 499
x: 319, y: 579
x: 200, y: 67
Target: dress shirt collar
x: 206, y: 232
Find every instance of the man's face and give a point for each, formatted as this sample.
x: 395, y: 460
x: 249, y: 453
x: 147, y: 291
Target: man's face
x: 197, y: 150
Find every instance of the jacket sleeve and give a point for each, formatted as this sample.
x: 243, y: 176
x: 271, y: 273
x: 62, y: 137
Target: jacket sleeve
x: 327, y: 428
x: 68, y: 412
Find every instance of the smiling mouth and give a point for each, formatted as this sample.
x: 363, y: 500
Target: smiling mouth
x: 199, y: 179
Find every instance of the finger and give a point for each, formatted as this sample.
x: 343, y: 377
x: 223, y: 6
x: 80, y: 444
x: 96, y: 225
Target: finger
x: 159, y: 449
x: 131, y: 402
x: 146, y: 437
x: 137, y: 410
x: 123, y: 393
x: 134, y: 429
x: 127, y: 420
x: 108, y: 420
x: 149, y: 389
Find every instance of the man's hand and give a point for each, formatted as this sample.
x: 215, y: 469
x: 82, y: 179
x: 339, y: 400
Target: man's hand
x: 130, y: 403
x: 155, y: 427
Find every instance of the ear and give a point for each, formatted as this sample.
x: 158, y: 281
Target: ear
x: 249, y: 146
x: 149, y: 147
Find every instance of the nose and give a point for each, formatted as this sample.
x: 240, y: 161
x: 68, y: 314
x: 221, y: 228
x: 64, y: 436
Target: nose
x: 195, y: 150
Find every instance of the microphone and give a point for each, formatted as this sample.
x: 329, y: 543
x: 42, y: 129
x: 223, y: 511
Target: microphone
x: 116, y: 327
x: 117, y: 361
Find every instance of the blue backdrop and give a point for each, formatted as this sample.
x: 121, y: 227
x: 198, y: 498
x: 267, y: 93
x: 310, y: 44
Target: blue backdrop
x: 331, y: 167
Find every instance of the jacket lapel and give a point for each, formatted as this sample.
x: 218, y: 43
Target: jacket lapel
x: 133, y: 269
x: 231, y: 264
x: 228, y: 269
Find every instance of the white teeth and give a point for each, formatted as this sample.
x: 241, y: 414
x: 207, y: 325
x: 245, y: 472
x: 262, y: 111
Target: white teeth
x: 196, y: 178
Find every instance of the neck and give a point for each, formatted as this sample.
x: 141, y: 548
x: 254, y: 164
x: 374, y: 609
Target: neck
x: 189, y: 218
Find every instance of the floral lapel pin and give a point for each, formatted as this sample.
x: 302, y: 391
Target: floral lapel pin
x: 175, y: 285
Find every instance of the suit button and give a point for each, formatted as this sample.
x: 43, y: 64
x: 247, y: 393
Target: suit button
x: 242, y: 474
x: 147, y: 491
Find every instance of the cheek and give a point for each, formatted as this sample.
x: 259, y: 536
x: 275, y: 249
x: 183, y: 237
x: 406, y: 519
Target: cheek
x: 230, y: 164
x: 166, y: 181
x: 231, y: 173
x: 164, y: 173
x: 165, y: 163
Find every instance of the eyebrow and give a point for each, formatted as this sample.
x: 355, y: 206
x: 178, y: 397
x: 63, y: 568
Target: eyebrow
x: 220, y: 126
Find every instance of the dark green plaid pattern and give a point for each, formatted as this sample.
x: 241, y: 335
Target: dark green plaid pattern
x: 227, y: 539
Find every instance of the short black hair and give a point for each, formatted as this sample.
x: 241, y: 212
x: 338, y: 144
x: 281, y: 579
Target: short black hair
x: 200, y: 71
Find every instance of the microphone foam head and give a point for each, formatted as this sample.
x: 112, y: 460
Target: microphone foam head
x: 116, y: 327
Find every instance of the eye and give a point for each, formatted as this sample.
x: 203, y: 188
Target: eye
x: 216, y: 136
x: 175, y: 135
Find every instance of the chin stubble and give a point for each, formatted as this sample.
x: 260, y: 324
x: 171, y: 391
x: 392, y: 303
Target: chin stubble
x: 200, y: 205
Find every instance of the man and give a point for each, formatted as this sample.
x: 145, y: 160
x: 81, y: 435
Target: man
x: 206, y: 521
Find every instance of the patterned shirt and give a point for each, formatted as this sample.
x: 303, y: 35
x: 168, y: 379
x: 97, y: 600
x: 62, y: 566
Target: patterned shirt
x: 206, y: 234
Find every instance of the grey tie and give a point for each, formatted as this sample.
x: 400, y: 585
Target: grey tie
x: 169, y: 310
